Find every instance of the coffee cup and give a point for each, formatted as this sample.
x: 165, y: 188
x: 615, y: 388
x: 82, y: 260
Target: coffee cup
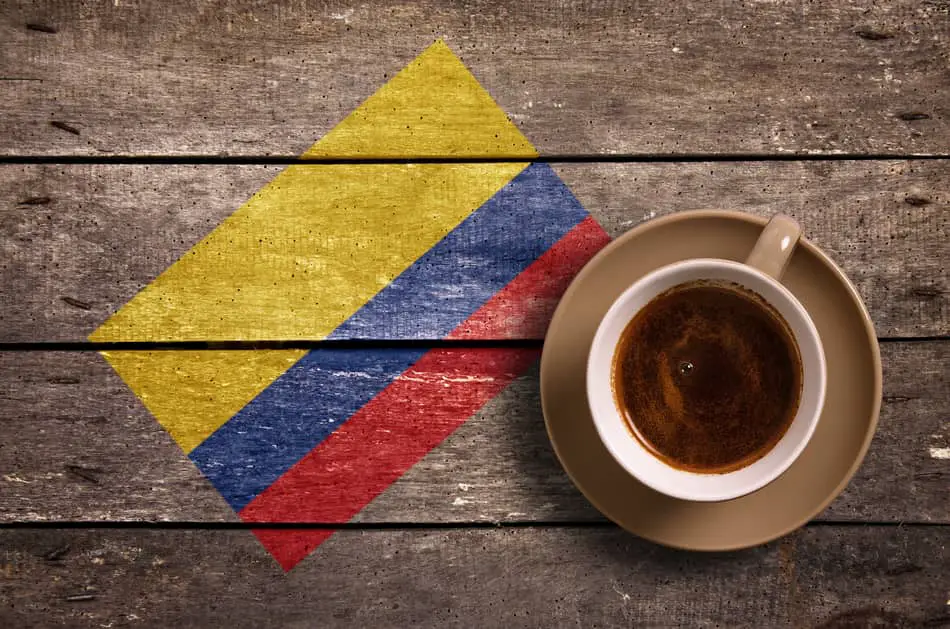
x: 758, y: 278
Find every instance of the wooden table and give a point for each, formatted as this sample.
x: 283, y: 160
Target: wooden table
x: 131, y: 131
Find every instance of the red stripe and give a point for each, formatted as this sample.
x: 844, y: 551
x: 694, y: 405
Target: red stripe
x: 382, y: 440
x: 289, y: 546
x: 524, y: 307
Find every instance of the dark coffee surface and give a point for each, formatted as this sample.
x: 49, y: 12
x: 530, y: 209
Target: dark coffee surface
x: 708, y: 376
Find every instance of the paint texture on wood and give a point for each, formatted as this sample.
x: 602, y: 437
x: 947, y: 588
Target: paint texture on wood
x: 326, y: 254
x: 819, y: 577
x: 191, y: 393
x: 379, y: 443
x: 417, y: 111
x: 278, y: 405
x: 239, y: 77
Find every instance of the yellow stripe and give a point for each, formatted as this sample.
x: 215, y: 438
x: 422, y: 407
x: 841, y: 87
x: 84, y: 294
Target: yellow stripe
x: 306, y: 252
x: 434, y: 107
x: 192, y: 393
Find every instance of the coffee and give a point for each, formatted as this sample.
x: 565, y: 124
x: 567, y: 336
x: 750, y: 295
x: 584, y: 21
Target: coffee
x: 708, y: 377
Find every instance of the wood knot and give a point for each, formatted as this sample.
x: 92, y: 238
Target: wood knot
x: 913, y: 115
x: 897, y: 399
x: 40, y: 28
x: 68, y: 128
x: 872, y: 35
x: 57, y: 553
x: 62, y: 380
x: 916, y: 200
x: 88, y: 474
x: 35, y: 201
x: 76, y: 303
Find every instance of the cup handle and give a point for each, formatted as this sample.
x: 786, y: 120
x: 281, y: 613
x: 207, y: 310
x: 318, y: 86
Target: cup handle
x: 775, y: 246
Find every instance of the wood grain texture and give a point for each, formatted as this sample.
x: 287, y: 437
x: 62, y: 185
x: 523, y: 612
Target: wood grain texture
x: 79, y: 241
x: 527, y: 577
x: 79, y: 446
x: 243, y: 77
x: 251, y: 78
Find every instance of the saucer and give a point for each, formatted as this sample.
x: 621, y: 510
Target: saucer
x: 831, y: 458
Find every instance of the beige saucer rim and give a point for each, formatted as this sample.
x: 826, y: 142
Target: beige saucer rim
x: 593, y: 266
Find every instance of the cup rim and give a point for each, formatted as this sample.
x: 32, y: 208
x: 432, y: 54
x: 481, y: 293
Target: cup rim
x: 608, y: 441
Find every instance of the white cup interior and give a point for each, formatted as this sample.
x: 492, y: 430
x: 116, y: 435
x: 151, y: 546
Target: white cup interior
x: 632, y: 455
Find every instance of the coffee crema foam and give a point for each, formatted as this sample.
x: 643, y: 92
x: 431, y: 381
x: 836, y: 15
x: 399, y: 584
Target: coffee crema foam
x: 708, y: 377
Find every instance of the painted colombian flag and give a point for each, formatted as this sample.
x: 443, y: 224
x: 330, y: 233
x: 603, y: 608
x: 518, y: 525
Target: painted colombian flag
x: 374, y: 251
x: 320, y: 443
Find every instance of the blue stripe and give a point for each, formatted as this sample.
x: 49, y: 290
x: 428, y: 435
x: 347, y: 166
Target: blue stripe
x: 473, y: 262
x: 292, y: 416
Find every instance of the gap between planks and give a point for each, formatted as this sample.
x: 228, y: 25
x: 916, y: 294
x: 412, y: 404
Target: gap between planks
x: 394, y: 526
x: 672, y: 158
x: 342, y: 344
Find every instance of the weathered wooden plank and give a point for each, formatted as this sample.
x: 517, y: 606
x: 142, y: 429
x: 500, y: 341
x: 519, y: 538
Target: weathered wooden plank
x: 79, y: 446
x: 503, y: 452
x: 79, y: 241
x: 241, y: 77
x: 549, y: 577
